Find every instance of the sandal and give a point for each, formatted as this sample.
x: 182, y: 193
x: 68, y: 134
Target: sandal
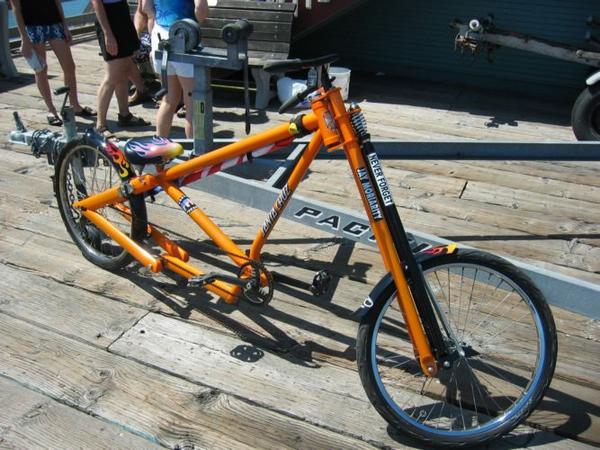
x: 104, y: 131
x: 86, y: 111
x: 54, y: 120
x: 131, y: 121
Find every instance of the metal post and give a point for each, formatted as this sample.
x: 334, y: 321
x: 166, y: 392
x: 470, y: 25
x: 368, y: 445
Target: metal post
x: 7, y: 66
x: 202, y: 114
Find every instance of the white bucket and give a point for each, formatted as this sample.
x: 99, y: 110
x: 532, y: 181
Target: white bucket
x: 287, y: 87
x: 342, y: 79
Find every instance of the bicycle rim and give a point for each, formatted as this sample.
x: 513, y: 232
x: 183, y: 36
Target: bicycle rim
x: 84, y: 171
x: 497, y: 369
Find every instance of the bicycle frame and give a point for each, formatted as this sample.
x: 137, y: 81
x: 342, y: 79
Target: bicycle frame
x: 330, y: 123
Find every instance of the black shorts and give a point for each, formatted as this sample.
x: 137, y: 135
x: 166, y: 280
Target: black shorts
x: 122, y: 27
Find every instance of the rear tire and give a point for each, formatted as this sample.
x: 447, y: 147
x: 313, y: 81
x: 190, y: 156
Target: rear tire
x: 82, y: 170
x: 585, y: 115
x: 498, y: 371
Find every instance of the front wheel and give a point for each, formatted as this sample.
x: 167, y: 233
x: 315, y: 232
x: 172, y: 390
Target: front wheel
x: 502, y: 342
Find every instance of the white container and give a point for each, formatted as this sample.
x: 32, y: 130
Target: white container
x: 287, y: 87
x: 35, y: 62
x: 342, y: 79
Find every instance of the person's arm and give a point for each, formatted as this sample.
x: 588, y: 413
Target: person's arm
x: 200, y: 10
x: 68, y: 36
x: 26, y: 46
x: 109, y: 38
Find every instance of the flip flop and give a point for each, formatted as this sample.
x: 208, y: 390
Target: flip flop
x: 86, y: 111
x: 54, y: 120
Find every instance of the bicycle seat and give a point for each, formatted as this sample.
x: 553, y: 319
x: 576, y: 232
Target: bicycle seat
x: 289, y: 65
x: 151, y: 150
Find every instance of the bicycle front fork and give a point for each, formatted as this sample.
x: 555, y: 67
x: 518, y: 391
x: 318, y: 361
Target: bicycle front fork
x: 413, y: 276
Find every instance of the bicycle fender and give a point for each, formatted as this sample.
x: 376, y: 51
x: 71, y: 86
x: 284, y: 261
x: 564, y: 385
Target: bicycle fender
x: 375, y: 293
x: 435, y: 252
x: 384, y: 284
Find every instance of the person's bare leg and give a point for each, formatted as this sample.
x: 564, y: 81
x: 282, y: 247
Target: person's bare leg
x: 135, y: 76
x: 168, y: 107
x: 65, y: 58
x: 187, y: 86
x: 116, y: 75
x: 41, y: 79
x: 122, y: 87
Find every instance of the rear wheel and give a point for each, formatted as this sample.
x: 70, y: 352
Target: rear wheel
x: 82, y: 170
x: 502, y: 342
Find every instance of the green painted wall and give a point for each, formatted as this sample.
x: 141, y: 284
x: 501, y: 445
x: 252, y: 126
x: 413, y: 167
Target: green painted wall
x: 411, y: 38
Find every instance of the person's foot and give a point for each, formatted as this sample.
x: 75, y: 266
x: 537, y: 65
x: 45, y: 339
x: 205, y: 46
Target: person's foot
x: 139, y: 97
x: 104, y: 131
x: 53, y: 119
x: 129, y: 120
x: 85, y: 111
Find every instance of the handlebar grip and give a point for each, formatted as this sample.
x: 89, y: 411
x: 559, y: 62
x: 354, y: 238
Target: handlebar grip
x: 296, y: 99
x: 61, y: 90
x: 233, y: 32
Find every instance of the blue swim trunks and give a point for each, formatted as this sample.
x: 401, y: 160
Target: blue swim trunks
x: 40, y: 34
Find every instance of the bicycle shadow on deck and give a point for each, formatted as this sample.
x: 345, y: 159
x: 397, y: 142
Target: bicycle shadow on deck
x: 271, y: 329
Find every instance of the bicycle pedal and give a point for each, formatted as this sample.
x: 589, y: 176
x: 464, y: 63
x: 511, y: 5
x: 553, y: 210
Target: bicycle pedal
x: 320, y: 283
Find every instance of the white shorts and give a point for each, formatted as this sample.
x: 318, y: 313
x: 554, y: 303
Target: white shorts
x: 173, y: 68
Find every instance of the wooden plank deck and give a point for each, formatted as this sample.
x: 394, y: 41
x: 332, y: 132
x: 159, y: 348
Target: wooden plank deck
x: 95, y: 360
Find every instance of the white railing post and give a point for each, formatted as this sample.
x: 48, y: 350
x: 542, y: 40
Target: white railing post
x: 7, y: 66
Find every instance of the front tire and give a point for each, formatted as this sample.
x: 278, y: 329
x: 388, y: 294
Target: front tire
x: 497, y: 372
x: 585, y: 115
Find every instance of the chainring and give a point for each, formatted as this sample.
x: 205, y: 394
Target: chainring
x: 255, y: 291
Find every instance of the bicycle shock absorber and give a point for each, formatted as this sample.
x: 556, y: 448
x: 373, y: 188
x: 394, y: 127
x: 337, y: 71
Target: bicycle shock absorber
x: 359, y: 123
x: 399, y: 237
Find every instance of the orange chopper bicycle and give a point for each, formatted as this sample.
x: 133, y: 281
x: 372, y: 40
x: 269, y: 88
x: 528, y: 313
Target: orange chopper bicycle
x: 455, y: 346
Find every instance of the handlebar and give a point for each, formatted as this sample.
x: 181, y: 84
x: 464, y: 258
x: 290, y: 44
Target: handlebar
x: 290, y: 65
x: 62, y: 90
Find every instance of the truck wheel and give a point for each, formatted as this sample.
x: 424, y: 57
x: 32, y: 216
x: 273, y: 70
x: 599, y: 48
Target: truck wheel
x: 585, y: 115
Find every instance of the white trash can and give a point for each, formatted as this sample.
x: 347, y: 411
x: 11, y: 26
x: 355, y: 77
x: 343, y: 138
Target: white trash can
x: 288, y: 87
x: 342, y: 79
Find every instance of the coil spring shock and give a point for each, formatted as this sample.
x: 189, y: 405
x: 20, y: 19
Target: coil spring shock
x: 359, y: 123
